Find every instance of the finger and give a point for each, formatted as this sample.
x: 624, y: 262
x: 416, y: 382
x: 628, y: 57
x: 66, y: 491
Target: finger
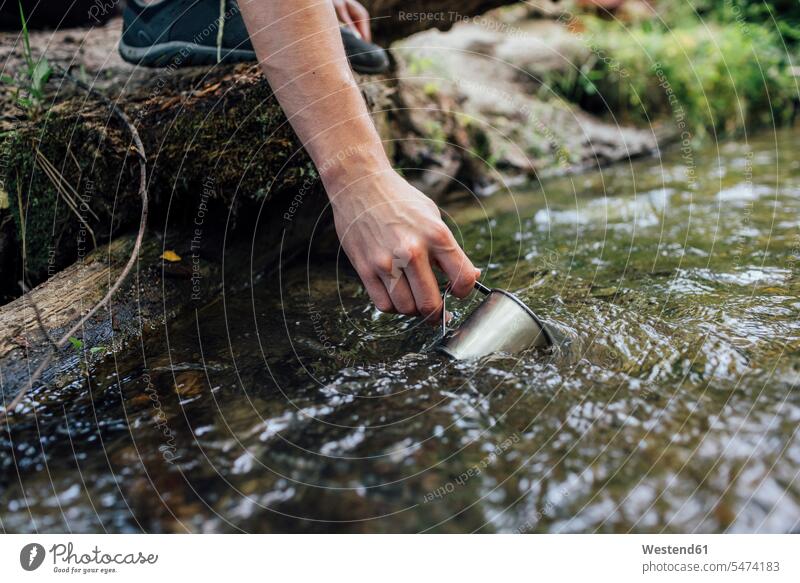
x: 400, y: 293
x: 378, y: 294
x: 360, y: 16
x: 458, y: 268
x: 341, y: 7
x: 344, y: 15
x: 425, y: 288
x: 436, y: 265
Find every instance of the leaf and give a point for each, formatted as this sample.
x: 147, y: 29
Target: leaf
x: 170, y: 255
x: 76, y: 344
x: 25, y: 37
x: 41, y: 73
x: 96, y: 349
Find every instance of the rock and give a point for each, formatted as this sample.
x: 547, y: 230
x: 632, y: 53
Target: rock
x: 493, y: 80
x: 541, y: 48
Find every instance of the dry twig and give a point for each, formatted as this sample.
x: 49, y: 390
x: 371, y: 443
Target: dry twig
x: 63, y: 188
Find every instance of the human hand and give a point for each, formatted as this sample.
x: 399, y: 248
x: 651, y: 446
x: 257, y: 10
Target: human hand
x: 394, y: 235
x: 354, y: 15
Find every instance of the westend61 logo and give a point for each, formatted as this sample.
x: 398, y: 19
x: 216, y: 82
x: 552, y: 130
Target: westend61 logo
x: 67, y: 560
x: 31, y: 556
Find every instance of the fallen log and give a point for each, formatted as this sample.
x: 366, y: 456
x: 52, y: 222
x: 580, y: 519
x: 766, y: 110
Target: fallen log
x: 396, y: 19
x: 216, y: 141
x: 175, y: 274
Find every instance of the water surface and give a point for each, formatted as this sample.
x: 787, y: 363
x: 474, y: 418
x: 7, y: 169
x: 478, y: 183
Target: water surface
x: 295, y: 406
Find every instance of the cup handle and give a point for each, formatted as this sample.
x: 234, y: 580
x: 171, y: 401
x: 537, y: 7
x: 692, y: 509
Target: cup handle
x: 482, y: 288
x: 444, y: 310
x: 478, y: 286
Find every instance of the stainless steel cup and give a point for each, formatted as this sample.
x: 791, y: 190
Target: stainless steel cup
x: 501, y: 323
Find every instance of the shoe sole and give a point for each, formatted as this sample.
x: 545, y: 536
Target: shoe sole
x: 182, y: 54
x: 185, y: 54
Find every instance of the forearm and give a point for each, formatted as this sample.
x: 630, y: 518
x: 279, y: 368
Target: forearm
x: 300, y: 50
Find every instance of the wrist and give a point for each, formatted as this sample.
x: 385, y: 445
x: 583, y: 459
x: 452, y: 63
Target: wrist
x: 357, y: 162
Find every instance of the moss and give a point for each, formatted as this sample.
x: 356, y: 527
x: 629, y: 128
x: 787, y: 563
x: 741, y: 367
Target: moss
x: 88, y: 154
x: 431, y: 89
x: 228, y: 138
x: 6, y: 141
x: 418, y: 64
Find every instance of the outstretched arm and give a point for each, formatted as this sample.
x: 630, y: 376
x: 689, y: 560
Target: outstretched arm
x: 391, y: 232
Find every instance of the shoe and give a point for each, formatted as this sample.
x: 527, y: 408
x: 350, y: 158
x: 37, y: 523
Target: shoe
x: 183, y: 33
x: 364, y: 57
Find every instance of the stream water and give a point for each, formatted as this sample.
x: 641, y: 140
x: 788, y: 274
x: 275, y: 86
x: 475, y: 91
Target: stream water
x: 295, y: 406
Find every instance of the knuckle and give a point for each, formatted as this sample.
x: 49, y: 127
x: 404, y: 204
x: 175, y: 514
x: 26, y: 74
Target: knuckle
x: 463, y: 283
x: 429, y: 306
x: 407, y: 309
x: 408, y: 251
x: 441, y: 234
x: 382, y: 265
x: 404, y: 304
x: 414, y: 250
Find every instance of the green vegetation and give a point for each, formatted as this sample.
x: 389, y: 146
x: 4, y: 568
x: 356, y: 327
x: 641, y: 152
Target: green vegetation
x: 33, y: 78
x: 708, y: 75
x: 782, y: 16
x: 436, y: 134
x: 78, y: 345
